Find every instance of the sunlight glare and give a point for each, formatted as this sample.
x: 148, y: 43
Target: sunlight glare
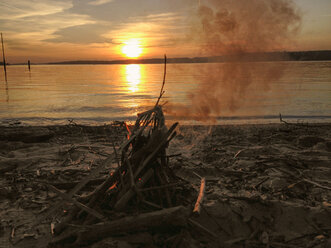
x: 132, y: 48
x: 133, y: 77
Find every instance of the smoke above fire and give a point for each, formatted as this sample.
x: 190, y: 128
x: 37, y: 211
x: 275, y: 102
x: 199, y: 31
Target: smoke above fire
x: 238, y: 30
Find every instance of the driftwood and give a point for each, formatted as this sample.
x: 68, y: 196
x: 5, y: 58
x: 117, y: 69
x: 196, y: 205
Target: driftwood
x: 76, y: 203
x: 131, y: 192
x: 201, y: 227
x: 162, y: 219
x: 197, y: 206
x: 142, y: 181
x: 75, y: 190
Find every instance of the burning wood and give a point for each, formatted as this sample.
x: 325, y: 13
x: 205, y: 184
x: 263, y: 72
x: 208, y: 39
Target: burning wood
x: 142, y: 180
x: 197, y: 207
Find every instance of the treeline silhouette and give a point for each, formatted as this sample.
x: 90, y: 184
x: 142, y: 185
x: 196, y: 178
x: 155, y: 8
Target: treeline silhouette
x: 247, y: 57
x: 322, y: 55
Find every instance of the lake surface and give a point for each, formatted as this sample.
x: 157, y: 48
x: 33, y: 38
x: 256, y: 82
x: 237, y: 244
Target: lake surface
x: 96, y: 94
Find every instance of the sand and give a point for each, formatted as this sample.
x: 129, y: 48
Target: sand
x: 266, y: 185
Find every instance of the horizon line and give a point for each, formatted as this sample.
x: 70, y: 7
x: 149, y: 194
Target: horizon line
x: 321, y: 55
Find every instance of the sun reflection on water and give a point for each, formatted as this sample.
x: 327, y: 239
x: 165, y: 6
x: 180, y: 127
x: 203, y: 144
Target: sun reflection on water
x: 133, y: 77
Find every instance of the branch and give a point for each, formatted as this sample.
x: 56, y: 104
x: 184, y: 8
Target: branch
x: 164, y: 78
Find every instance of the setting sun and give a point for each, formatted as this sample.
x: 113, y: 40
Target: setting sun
x: 132, y: 48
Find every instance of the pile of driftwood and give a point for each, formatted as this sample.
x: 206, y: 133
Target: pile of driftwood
x: 142, y: 188
x: 140, y: 195
x: 142, y: 181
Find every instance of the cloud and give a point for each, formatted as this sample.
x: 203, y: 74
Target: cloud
x: 99, y: 2
x: 21, y: 8
x: 154, y: 30
x: 81, y: 34
x: 121, y: 10
x: 27, y: 24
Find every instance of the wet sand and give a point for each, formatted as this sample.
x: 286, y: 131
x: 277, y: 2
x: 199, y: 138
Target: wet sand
x: 266, y: 185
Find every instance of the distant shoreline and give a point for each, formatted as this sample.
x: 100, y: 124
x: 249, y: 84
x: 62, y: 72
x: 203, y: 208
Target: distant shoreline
x: 323, y: 55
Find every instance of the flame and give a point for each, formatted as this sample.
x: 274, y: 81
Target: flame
x: 129, y: 131
x: 113, y: 186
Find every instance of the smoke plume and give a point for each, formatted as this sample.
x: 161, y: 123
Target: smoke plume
x: 240, y: 31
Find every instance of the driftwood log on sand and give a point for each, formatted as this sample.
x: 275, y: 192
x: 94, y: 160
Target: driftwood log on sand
x: 167, y: 218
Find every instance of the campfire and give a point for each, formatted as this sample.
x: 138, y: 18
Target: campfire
x: 141, y: 194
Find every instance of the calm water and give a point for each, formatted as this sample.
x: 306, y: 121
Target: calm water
x: 93, y: 94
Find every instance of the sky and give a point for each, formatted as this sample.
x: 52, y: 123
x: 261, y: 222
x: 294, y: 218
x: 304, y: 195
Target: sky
x: 61, y: 30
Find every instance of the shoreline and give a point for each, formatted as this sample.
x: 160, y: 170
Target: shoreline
x: 310, y: 55
x: 235, y: 120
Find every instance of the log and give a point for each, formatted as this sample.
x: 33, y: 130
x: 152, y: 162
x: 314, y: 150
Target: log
x: 101, y: 190
x: 156, y: 150
x: 201, y: 227
x: 197, y: 207
x: 78, y: 187
x: 166, y: 218
x: 120, y: 204
x: 170, y: 185
x: 78, y: 204
x: 70, y: 185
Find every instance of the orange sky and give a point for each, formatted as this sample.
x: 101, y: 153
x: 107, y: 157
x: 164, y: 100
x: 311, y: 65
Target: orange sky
x: 47, y: 30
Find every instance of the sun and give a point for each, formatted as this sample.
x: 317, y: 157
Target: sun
x: 132, y: 48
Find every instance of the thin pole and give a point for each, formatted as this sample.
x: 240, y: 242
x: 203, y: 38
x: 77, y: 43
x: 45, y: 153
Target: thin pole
x: 3, y: 58
x: 164, y: 78
x: 29, y: 65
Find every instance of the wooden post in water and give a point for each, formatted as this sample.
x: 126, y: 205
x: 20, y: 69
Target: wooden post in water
x: 29, y: 66
x: 3, y: 58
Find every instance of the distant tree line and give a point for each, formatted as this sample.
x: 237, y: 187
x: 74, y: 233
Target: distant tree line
x: 323, y: 55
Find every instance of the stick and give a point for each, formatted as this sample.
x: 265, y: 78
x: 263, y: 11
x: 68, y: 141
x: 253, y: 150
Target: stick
x: 158, y: 175
x: 197, y: 207
x: 316, y: 184
x: 3, y: 58
x: 79, y: 186
x: 293, y: 124
x: 120, y: 204
x: 161, y: 144
x: 78, y: 204
x: 70, y: 185
x: 133, y: 184
x: 281, y: 119
x: 152, y: 204
x: 170, y: 217
x: 164, y: 77
x: 170, y: 185
x: 118, y: 164
x: 198, y: 225
x: 304, y: 179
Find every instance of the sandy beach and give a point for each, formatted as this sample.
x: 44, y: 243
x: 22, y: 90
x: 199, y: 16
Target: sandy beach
x: 266, y: 185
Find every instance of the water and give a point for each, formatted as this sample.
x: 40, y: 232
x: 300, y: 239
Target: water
x: 96, y: 94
